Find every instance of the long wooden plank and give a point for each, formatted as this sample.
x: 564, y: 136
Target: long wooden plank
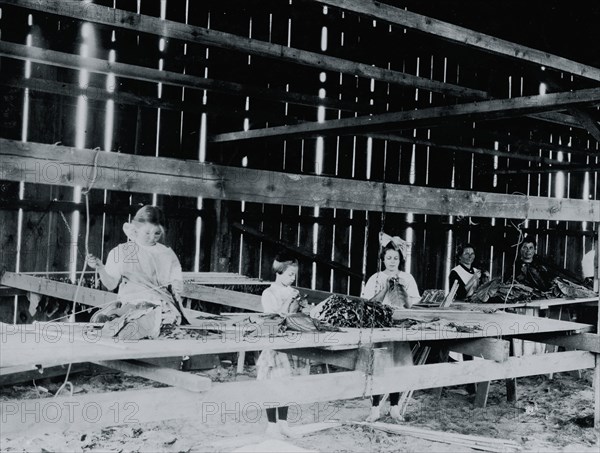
x: 466, y: 149
x: 487, y: 348
x: 541, y: 304
x: 393, y: 15
x: 139, y: 406
x: 425, y: 117
x: 67, y: 60
x: 582, y: 341
x: 54, y: 344
x: 223, y: 297
x: 170, y: 29
x: 86, y: 296
x: 99, y: 94
x: 48, y: 164
x: 98, y: 298
x: 180, y: 379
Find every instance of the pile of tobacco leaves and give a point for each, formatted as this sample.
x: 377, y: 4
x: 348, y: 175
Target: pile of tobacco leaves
x: 339, y: 311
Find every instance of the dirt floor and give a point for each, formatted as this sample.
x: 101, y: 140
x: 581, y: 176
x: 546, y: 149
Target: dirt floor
x: 551, y: 415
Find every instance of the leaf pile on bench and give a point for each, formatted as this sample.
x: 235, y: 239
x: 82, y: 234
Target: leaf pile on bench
x: 339, y: 311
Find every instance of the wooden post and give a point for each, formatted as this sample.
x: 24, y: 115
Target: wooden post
x: 597, y: 368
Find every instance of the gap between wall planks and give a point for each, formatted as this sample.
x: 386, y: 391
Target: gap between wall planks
x: 114, y: 174
x: 153, y: 41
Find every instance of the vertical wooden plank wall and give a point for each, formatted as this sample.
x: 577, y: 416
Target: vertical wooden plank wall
x: 339, y: 235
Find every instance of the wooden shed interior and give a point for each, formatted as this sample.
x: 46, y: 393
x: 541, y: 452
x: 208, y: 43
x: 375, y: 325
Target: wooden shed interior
x: 306, y: 124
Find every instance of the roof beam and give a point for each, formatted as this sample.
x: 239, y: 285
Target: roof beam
x: 93, y: 93
x: 65, y: 166
x: 67, y: 60
x: 427, y: 117
x: 465, y: 36
x: 171, y: 29
x: 581, y: 115
x: 466, y: 149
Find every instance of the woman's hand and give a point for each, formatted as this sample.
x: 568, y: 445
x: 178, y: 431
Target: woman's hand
x: 94, y: 262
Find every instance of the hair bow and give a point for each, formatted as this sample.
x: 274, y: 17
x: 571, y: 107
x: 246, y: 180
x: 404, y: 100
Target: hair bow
x: 399, y: 244
x: 129, y: 230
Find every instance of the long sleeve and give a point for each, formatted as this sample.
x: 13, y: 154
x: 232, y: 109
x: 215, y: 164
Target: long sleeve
x: 412, y: 289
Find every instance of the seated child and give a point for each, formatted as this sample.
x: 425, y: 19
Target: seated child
x: 147, y: 273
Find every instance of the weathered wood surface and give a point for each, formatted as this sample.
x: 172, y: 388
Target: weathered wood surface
x: 66, y: 166
x: 97, y: 65
x: 464, y: 36
x: 175, y: 378
x: 170, y: 29
x: 97, y: 410
x: 55, y: 344
x: 425, y: 117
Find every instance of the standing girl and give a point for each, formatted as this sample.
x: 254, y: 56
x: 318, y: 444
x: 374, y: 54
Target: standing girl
x: 282, y: 299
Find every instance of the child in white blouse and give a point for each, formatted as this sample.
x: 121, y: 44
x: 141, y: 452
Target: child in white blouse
x: 142, y: 268
x: 280, y: 298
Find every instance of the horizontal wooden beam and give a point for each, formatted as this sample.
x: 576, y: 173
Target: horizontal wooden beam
x: 465, y: 149
x: 582, y: 341
x: 99, y: 94
x: 7, y: 291
x: 59, y: 165
x: 487, y: 348
x: 53, y: 343
x: 99, y: 298
x: 426, y: 117
x: 175, y: 378
x: 96, y: 65
x: 464, y: 36
x: 94, y: 411
x: 544, y: 170
x: 194, y: 34
x: 223, y: 297
x: 299, y: 251
x: 98, y: 208
x: 60, y: 290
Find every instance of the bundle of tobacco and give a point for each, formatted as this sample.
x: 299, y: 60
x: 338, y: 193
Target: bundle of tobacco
x: 396, y: 293
x: 497, y: 292
x: 432, y: 297
x: 340, y: 312
x: 301, y: 322
x: 569, y: 290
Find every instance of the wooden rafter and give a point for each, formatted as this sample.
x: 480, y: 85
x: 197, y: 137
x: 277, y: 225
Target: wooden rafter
x: 428, y: 117
x: 581, y: 115
x: 99, y: 94
x: 461, y: 35
x: 171, y: 29
x: 47, y: 164
x: 66, y: 60
x: 466, y: 149
x: 553, y: 169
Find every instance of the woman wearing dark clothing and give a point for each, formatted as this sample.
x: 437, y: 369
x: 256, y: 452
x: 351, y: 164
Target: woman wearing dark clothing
x: 467, y: 276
